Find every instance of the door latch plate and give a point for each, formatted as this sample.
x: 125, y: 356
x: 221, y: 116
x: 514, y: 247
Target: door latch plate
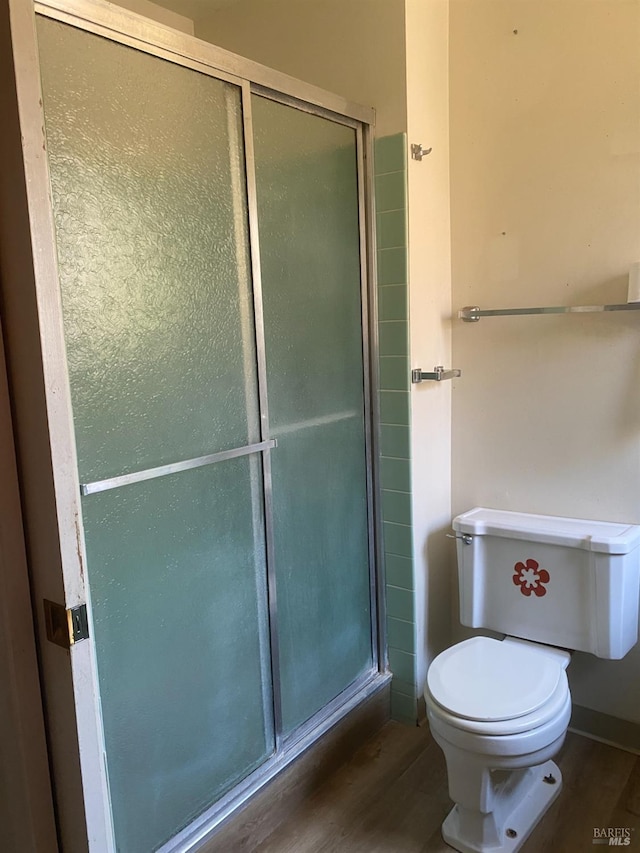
x: 65, y: 627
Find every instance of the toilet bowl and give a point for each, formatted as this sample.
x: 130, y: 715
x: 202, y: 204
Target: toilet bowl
x: 499, y: 710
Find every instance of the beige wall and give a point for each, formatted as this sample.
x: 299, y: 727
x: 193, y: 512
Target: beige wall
x: 545, y: 199
x: 159, y: 13
x: 427, y: 26
x: 355, y: 49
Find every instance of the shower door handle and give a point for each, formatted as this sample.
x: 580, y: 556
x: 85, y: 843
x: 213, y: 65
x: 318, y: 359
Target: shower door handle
x: 175, y: 467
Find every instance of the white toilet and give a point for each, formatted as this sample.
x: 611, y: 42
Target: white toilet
x: 499, y: 709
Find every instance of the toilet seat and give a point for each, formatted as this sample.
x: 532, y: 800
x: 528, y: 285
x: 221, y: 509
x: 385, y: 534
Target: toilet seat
x: 528, y: 722
x: 494, y: 687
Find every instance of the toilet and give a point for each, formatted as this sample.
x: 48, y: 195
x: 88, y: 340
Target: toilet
x: 499, y: 708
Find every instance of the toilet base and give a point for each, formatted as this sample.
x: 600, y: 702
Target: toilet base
x: 531, y: 806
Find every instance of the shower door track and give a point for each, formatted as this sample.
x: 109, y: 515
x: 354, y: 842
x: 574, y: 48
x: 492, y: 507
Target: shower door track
x: 205, y: 826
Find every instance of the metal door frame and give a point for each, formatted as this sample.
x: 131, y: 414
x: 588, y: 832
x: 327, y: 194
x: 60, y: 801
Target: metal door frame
x: 37, y: 364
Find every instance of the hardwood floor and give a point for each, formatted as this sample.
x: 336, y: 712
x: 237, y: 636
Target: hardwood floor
x: 391, y: 797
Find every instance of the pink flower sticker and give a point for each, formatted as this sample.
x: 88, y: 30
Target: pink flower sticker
x: 531, y: 578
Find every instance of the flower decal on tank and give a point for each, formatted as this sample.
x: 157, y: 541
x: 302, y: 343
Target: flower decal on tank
x: 531, y: 578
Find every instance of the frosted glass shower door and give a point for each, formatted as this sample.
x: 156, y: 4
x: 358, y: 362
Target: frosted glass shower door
x: 307, y: 188
x: 149, y: 199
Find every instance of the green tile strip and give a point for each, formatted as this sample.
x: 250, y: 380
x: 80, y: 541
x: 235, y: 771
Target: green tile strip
x: 393, y: 336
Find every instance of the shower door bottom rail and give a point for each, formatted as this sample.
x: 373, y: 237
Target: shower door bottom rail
x: 204, y: 827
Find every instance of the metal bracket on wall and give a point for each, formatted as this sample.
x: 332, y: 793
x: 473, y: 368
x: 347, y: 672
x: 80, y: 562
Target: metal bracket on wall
x: 439, y: 373
x: 65, y: 627
x: 418, y: 152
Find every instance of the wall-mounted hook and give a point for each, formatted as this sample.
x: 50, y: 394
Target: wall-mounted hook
x: 418, y: 152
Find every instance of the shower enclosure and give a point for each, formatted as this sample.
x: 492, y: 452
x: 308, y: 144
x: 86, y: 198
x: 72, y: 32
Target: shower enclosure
x: 203, y: 318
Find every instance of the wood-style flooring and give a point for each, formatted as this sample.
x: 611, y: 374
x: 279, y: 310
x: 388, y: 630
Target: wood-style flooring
x: 391, y: 797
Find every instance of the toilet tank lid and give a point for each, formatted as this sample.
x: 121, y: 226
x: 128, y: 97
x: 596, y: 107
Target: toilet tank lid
x: 603, y: 536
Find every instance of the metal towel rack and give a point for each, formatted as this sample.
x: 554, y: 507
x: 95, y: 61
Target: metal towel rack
x: 472, y: 313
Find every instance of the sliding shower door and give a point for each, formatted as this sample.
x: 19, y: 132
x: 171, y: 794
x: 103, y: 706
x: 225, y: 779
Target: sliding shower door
x: 208, y: 239
x: 147, y: 172
x: 307, y: 191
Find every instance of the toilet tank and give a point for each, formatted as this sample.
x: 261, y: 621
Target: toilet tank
x: 561, y: 581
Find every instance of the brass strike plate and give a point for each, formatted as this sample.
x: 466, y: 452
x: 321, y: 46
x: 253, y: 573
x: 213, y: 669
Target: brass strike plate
x: 65, y: 627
